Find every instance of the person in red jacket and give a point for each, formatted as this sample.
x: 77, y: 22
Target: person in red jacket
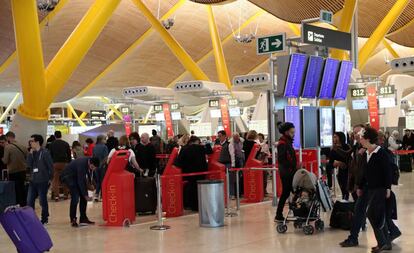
x: 89, y: 147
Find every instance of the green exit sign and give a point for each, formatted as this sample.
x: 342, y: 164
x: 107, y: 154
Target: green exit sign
x: 271, y: 44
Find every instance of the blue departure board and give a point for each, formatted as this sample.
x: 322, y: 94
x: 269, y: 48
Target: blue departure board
x: 329, y: 78
x: 292, y: 115
x: 344, y: 77
x: 313, y: 77
x: 296, y: 73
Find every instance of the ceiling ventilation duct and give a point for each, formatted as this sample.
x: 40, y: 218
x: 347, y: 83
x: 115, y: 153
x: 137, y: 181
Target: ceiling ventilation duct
x: 259, y: 81
x: 201, y: 88
x: 149, y: 93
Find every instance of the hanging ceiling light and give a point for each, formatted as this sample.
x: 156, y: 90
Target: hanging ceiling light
x: 46, y: 5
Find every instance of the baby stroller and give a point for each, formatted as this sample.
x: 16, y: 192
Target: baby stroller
x: 309, y: 196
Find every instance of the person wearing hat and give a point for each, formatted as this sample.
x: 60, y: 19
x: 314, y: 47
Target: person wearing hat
x: 286, y: 158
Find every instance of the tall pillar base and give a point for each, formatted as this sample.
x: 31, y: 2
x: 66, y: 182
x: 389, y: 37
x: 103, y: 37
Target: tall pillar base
x: 25, y: 127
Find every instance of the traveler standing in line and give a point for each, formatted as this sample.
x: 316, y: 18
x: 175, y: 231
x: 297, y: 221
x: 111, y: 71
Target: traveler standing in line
x: 134, y: 140
x: 77, y: 150
x: 15, y: 156
x: 89, y: 147
x: 264, y: 157
x: 49, y: 141
x: 393, y: 141
x: 225, y: 159
x: 286, y: 157
x: 378, y: 179
x: 145, y: 155
x: 251, y: 139
x: 101, y: 152
x: 111, y: 141
x: 3, y: 141
x: 41, y: 173
x: 157, y: 142
x: 338, y: 157
x: 77, y: 176
x: 407, y: 139
x: 357, y: 165
x: 192, y: 158
x: 61, y: 155
x: 237, y: 160
x: 124, y: 145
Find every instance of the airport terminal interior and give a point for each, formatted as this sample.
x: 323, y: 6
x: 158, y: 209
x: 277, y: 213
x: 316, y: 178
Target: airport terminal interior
x: 206, y: 126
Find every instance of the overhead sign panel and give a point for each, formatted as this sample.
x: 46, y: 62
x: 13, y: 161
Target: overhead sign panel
x: 296, y: 73
x: 344, y: 77
x: 313, y: 77
x: 329, y: 78
x: 271, y: 44
x: 325, y: 37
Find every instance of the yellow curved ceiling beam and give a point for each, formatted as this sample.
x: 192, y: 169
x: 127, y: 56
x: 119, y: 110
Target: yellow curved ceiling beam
x: 31, y: 65
x: 295, y: 28
x: 129, y: 50
x: 116, y: 111
x: 380, y: 32
x: 390, y: 49
x: 72, y: 110
x: 222, y: 71
x: 77, y: 46
x: 225, y: 40
x: 184, y: 58
x: 42, y: 24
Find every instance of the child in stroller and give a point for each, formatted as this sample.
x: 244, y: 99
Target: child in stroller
x: 305, y: 204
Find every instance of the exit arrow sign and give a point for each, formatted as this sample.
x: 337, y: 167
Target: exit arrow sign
x: 271, y: 44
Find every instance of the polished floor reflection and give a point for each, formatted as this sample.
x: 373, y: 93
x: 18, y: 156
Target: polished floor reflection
x: 252, y: 231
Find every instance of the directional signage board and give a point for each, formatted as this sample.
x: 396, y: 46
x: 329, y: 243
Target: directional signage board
x: 320, y: 36
x: 271, y: 44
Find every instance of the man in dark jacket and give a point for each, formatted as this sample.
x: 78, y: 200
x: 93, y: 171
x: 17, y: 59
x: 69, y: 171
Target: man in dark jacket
x: 225, y: 159
x: 357, y: 166
x: 61, y: 155
x: 191, y: 159
x: 145, y: 155
x: 77, y: 176
x: 111, y: 142
x: 41, y: 172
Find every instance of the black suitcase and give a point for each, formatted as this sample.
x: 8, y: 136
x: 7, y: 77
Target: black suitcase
x: 145, y: 195
x: 405, y: 163
x: 342, y: 214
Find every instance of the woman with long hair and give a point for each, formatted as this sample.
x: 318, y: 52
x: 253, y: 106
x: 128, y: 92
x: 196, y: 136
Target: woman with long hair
x: 338, y: 159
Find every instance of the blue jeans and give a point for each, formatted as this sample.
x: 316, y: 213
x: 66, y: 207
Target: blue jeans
x: 360, y: 213
x: 99, y: 175
x: 39, y: 190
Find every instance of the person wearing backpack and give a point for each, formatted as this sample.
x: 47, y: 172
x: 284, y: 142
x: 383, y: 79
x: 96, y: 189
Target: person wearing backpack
x: 124, y: 145
x: 14, y: 157
x: 41, y: 172
x: 391, y: 203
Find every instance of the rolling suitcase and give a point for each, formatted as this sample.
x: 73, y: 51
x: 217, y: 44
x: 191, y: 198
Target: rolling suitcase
x: 25, y: 230
x: 405, y: 163
x: 145, y: 195
x: 7, y: 194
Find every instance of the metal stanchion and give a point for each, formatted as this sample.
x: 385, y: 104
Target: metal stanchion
x: 237, y: 190
x: 229, y: 212
x: 160, y: 225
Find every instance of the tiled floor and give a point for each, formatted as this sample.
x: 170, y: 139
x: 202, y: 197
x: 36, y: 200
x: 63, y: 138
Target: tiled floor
x: 253, y: 231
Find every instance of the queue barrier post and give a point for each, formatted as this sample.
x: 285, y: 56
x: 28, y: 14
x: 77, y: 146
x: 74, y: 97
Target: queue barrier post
x: 160, y: 226
x: 229, y: 212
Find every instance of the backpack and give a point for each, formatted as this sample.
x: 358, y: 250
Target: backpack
x: 394, y: 167
x: 342, y: 215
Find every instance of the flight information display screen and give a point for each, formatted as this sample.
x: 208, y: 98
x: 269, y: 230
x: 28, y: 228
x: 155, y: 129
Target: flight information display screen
x: 313, y: 77
x: 325, y: 127
x: 310, y: 127
x: 344, y: 77
x: 329, y: 78
x: 292, y: 115
x: 296, y: 73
